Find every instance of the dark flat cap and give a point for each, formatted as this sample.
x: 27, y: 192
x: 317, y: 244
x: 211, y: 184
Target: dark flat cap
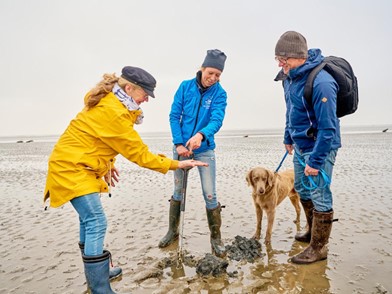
x: 141, y: 78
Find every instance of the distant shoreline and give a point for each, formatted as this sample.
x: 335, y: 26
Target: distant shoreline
x: 222, y: 134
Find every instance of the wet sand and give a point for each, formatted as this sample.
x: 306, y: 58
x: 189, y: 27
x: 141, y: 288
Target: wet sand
x: 39, y: 251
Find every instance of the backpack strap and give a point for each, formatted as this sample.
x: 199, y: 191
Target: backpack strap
x: 308, y: 91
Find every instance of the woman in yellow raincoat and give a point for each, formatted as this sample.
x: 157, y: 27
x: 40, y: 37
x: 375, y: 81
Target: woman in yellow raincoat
x: 82, y: 162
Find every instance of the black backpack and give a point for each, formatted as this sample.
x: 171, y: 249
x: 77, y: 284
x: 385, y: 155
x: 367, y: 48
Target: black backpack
x: 341, y: 71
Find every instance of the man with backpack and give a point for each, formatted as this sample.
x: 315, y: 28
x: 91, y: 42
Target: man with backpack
x: 313, y: 132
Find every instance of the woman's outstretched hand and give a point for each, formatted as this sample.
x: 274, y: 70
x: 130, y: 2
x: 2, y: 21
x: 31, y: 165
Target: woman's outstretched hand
x: 190, y: 163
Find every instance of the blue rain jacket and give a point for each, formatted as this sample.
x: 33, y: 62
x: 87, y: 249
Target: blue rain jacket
x: 193, y: 112
x: 312, y: 128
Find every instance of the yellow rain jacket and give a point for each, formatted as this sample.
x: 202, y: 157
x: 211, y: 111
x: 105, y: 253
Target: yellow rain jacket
x: 86, y: 151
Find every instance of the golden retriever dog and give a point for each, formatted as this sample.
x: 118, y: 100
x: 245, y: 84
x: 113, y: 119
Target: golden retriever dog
x: 269, y: 190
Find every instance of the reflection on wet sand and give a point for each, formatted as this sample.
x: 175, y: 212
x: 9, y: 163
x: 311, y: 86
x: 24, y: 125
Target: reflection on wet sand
x: 285, y: 277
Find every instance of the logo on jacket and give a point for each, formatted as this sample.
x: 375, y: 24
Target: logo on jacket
x: 324, y: 99
x: 207, y: 103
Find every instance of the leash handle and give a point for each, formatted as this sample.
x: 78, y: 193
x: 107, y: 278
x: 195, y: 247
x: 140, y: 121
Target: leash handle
x: 281, y: 162
x: 313, y: 185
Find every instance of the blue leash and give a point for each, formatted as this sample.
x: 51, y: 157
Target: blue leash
x: 313, y: 184
x: 280, y: 164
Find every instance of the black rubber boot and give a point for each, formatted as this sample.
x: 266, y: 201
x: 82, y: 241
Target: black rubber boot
x: 318, y: 247
x: 174, y: 221
x: 96, y: 269
x: 114, y: 272
x: 308, y: 208
x: 214, y: 223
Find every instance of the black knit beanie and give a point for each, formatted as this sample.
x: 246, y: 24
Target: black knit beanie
x: 292, y: 44
x: 215, y: 58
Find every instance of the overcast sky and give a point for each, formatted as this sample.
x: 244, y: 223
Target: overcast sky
x: 53, y: 52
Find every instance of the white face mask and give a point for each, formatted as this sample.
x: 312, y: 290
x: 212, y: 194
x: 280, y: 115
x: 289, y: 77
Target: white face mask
x: 129, y: 103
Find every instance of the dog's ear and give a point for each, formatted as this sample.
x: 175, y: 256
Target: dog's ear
x: 249, y: 178
x: 271, y: 177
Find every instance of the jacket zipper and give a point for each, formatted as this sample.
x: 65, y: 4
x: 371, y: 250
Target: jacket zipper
x: 197, y: 114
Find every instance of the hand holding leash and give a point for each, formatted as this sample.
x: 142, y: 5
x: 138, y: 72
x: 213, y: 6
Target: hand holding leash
x: 310, y: 171
x: 316, y: 173
x: 289, y: 148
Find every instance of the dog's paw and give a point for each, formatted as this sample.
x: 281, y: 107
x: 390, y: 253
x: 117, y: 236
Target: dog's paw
x: 256, y: 236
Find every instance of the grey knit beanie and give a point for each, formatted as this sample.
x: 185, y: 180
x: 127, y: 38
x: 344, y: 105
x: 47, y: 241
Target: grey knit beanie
x: 215, y: 58
x: 292, y: 44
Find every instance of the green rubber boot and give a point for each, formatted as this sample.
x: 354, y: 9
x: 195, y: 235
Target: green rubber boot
x: 214, y: 223
x: 174, y: 221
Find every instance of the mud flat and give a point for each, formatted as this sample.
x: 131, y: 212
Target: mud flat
x: 40, y: 254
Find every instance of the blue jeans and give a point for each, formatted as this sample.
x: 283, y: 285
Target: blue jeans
x: 93, y: 222
x: 207, y: 178
x: 321, y: 197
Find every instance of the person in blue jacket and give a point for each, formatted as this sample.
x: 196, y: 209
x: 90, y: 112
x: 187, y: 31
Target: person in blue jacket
x: 196, y: 115
x: 313, y: 132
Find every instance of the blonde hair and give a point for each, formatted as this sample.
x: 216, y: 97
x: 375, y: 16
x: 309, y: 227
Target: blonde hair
x: 101, y: 90
x: 104, y: 87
